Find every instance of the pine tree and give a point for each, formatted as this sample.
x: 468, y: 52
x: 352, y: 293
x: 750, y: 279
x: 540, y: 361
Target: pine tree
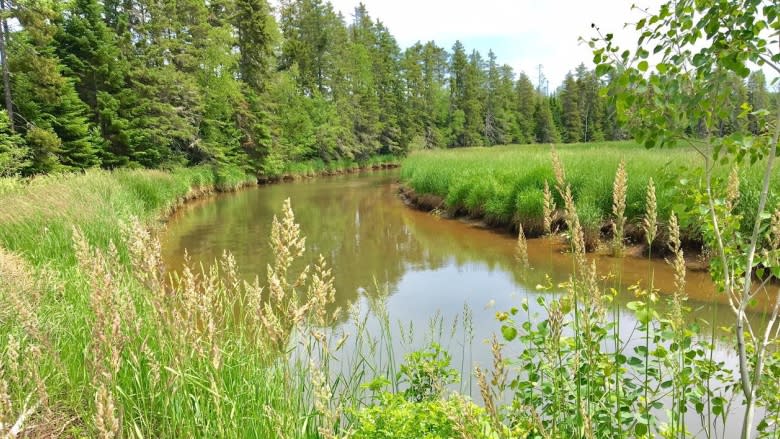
x: 525, y: 107
x: 89, y: 49
x: 257, y: 33
x: 501, y: 124
x: 423, y: 69
x: 466, y: 98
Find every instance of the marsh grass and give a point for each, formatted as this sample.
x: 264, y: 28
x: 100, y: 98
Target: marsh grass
x: 315, y: 167
x: 505, y: 185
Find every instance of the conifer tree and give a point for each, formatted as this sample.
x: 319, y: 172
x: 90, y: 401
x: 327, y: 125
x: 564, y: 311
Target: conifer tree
x: 257, y: 32
x: 89, y: 48
x: 13, y: 150
x: 525, y: 107
x: 545, y: 129
x: 571, y: 118
x: 45, y: 98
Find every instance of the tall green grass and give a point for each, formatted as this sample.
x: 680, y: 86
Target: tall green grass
x: 38, y: 214
x: 504, y: 184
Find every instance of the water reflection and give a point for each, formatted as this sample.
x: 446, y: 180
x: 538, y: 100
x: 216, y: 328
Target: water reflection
x: 370, y: 238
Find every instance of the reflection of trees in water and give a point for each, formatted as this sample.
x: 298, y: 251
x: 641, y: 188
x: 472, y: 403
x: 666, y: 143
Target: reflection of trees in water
x: 353, y: 222
x: 366, y: 235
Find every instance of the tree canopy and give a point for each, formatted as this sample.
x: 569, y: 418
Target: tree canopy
x: 161, y: 83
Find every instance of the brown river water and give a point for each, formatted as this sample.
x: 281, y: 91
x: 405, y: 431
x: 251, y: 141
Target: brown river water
x: 425, y: 268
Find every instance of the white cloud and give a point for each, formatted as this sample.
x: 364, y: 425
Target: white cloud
x: 523, y: 33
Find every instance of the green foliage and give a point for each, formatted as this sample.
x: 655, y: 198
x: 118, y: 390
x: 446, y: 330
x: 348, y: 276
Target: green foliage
x: 45, y: 146
x: 700, y: 49
x: 427, y: 373
x: 545, y: 129
x: 395, y: 417
x: 13, y: 150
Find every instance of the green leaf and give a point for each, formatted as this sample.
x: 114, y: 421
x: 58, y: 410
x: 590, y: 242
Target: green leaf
x: 509, y: 332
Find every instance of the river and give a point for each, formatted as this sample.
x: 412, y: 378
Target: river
x: 426, y: 269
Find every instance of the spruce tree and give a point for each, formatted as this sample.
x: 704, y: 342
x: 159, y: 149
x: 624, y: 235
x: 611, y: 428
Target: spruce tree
x: 89, y: 48
x: 45, y: 98
x: 13, y: 149
x: 570, y: 114
x: 525, y: 107
x: 545, y: 129
x: 257, y: 32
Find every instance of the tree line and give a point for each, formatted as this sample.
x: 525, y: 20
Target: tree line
x: 149, y: 83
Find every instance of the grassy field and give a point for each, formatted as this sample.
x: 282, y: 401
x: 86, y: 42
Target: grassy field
x: 505, y: 184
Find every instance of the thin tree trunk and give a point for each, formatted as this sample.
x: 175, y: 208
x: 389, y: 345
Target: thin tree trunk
x: 4, y: 60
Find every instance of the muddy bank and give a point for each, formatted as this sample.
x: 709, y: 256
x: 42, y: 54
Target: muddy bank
x: 596, y: 239
x: 325, y: 173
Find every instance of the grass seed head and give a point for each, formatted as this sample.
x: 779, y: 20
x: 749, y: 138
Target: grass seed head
x: 548, y: 209
x: 106, y: 420
x: 678, y: 264
x: 521, y: 249
x: 619, y: 190
x: 732, y: 190
x: 650, y: 220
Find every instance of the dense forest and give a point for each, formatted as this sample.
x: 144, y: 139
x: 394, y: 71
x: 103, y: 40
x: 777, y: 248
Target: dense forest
x: 145, y: 83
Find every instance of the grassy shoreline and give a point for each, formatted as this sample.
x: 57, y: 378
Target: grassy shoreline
x: 317, y: 167
x: 504, y: 186
x: 96, y: 340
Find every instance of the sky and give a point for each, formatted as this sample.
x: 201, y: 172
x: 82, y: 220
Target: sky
x: 522, y: 33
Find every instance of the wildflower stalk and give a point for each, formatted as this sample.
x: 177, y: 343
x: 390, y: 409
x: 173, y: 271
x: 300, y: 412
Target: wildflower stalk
x: 521, y: 249
x: 619, y: 189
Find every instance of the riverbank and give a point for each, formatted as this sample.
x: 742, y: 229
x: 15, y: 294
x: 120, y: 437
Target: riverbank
x: 695, y: 261
x: 39, y: 213
x: 98, y: 339
x: 504, y: 187
x: 317, y: 168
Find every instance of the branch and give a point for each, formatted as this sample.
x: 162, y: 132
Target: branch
x: 770, y: 63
